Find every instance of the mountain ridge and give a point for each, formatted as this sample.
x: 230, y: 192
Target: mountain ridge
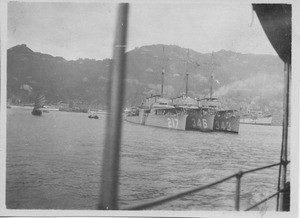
x: 245, y: 79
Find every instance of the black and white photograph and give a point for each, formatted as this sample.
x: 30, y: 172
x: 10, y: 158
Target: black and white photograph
x: 151, y: 108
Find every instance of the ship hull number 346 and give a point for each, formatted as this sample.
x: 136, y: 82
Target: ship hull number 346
x: 202, y: 123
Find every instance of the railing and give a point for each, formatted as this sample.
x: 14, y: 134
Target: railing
x: 238, y: 176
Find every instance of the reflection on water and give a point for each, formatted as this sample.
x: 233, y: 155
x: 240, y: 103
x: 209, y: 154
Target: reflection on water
x: 54, y: 162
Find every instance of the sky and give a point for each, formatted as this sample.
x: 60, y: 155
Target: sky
x: 86, y: 30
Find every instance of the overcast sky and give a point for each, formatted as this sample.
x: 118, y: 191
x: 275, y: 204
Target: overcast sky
x: 86, y: 30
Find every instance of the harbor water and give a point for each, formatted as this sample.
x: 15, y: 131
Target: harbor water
x: 54, y: 162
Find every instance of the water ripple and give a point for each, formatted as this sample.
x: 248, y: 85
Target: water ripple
x: 55, y: 163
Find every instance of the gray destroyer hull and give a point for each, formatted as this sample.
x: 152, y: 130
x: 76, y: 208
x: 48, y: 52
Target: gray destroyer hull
x: 177, y: 122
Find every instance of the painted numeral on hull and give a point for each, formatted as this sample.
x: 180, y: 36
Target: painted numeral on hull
x: 204, y: 121
x: 224, y: 125
x: 200, y: 123
x: 173, y: 123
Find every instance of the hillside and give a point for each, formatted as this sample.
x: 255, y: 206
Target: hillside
x: 244, y: 79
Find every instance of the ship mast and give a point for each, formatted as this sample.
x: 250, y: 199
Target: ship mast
x: 187, y: 74
x: 186, y: 85
x: 211, y: 76
x: 162, y: 76
x: 162, y: 82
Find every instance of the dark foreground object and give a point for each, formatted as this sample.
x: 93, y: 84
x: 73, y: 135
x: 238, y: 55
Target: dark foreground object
x: 286, y: 197
x: 93, y: 117
x: 36, y: 112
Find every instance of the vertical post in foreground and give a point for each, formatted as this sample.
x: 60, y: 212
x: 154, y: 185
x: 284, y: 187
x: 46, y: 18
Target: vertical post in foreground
x: 238, y: 191
x: 110, y: 162
x: 287, y: 74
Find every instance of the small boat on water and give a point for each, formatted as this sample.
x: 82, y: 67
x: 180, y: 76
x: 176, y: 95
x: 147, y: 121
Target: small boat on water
x: 93, y: 115
x: 256, y: 118
x: 47, y: 108
x: 39, y: 103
